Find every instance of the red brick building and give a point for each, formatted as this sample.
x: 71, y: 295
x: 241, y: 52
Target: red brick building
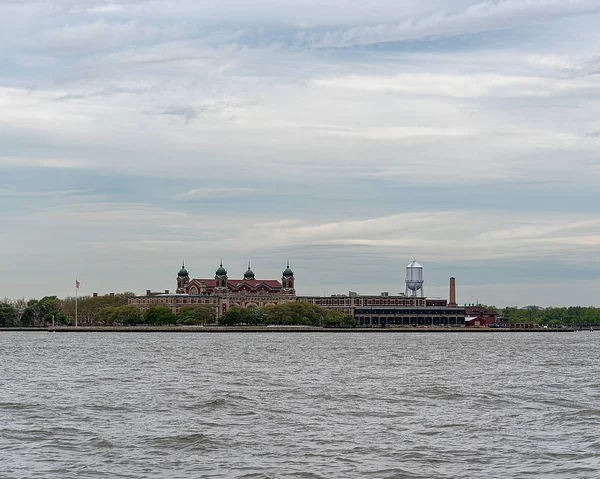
x: 223, y: 292
x: 479, y: 316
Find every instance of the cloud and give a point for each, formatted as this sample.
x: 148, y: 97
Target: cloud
x: 484, y: 16
x: 212, y: 193
x: 588, y: 67
x: 60, y: 163
x: 458, y: 86
x: 11, y: 193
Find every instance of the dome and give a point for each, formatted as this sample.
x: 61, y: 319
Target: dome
x: 221, y: 271
x: 249, y: 274
x: 183, y: 272
x: 287, y: 272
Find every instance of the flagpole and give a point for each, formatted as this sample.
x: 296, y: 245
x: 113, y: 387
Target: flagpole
x: 76, y: 288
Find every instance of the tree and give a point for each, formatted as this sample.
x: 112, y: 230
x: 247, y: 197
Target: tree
x: 350, y: 321
x: 90, y: 308
x: 159, y: 315
x: 128, y: 315
x: 43, y: 312
x: 334, y: 318
x: 231, y: 317
x: 257, y: 316
x: 8, y: 315
x: 197, y: 314
x: 294, y: 313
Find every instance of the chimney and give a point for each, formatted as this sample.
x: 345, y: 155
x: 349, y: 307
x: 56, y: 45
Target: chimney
x: 95, y: 295
x: 452, y: 292
x: 147, y: 292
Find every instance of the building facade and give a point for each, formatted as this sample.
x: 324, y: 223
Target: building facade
x: 384, y: 310
x: 223, y: 292
x: 477, y: 315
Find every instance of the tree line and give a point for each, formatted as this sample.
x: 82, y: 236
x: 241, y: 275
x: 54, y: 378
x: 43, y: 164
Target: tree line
x: 293, y: 313
x: 114, y: 310
x: 567, y: 315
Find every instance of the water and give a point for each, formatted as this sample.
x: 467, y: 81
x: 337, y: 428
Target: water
x: 299, y: 405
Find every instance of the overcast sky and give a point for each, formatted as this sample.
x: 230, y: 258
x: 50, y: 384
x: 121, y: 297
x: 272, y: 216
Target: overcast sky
x: 345, y: 136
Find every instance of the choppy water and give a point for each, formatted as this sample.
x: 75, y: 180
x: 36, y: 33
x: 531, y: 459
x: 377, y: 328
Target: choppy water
x: 299, y: 405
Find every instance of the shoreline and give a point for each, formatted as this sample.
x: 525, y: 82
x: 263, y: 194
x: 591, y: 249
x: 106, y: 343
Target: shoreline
x: 277, y: 329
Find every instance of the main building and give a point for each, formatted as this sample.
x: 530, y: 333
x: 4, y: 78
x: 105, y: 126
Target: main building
x: 223, y: 292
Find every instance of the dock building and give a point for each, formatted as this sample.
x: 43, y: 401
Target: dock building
x: 409, y: 309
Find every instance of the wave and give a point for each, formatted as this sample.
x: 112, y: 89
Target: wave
x: 183, y: 441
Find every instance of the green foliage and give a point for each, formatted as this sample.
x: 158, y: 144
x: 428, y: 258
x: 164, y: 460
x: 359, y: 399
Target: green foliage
x: 159, y: 316
x: 193, y: 314
x: 294, y: 313
x: 257, y: 316
x: 333, y: 318
x: 287, y: 314
x: 128, y: 315
x: 41, y: 313
x: 8, y: 315
x: 90, y: 308
x: 552, y: 316
x: 232, y: 317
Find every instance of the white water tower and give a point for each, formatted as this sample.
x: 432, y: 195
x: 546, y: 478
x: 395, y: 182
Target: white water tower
x: 414, y: 279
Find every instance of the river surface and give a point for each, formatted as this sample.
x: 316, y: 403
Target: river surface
x: 301, y: 405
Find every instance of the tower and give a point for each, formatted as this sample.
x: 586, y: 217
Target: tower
x: 452, y: 298
x: 221, y: 279
x: 249, y: 274
x: 414, y: 279
x: 287, y: 280
x: 183, y: 278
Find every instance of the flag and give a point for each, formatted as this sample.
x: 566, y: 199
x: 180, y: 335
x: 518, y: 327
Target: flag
x: 77, y: 283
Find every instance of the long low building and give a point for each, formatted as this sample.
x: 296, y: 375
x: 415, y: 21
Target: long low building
x: 385, y: 310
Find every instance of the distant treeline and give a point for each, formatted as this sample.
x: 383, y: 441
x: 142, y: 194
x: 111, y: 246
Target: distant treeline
x: 114, y: 310
x: 551, y: 316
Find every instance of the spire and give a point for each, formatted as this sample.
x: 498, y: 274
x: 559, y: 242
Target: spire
x: 221, y: 271
x: 249, y: 274
x: 288, y: 272
x: 182, y: 272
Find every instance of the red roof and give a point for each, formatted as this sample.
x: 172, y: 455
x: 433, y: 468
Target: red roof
x: 238, y: 283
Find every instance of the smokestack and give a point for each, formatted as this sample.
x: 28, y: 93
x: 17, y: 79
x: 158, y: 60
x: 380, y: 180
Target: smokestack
x: 452, y: 291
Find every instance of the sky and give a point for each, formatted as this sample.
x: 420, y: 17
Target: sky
x: 345, y: 136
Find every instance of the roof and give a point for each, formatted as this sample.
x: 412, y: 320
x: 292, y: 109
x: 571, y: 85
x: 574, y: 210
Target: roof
x: 236, y: 283
x: 414, y: 264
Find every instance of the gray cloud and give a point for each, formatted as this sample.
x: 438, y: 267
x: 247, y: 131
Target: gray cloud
x: 480, y: 17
